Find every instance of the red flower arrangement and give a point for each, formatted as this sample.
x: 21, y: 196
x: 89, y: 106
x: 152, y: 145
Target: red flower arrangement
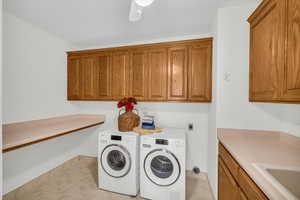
x: 128, y: 103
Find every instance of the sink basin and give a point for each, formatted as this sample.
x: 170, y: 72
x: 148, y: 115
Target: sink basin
x: 285, y: 179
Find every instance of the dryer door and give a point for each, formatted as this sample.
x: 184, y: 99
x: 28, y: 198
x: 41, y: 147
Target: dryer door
x: 162, y: 167
x: 116, y: 161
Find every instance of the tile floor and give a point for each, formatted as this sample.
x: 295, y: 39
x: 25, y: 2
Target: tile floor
x: 77, y: 180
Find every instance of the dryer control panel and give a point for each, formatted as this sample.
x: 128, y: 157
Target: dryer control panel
x: 161, y: 142
x: 116, y: 137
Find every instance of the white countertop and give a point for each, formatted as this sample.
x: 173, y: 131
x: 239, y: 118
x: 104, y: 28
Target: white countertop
x: 263, y: 147
x: 17, y: 135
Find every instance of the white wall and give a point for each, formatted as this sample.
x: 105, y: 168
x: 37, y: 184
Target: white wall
x: 212, y: 128
x: 232, y: 108
x: 34, y: 72
x: 1, y: 180
x: 35, y: 87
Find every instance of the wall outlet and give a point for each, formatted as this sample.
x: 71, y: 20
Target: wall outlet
x: 191, y: 126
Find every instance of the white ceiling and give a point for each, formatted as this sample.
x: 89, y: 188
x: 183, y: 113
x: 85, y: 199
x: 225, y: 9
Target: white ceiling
x: 102, y: 22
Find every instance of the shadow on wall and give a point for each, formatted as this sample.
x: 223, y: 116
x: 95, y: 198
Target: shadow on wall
x: 167, y: 114
x: 24, y: 164
x: 287, y: 116
x: 96, y: 107
x: 271, y: 109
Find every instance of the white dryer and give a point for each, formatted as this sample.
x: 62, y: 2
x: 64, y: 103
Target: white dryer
x: 162, y: 165
x: 118, y: 162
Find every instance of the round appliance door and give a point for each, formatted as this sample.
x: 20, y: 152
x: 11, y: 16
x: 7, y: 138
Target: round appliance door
x: 162, y: 167
x: 115, y: 161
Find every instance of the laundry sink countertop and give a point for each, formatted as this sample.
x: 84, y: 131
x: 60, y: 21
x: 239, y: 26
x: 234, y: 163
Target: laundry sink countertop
x: 250, y: 147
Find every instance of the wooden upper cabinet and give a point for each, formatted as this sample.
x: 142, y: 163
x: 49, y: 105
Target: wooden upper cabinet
x: 172, y: 71
x: 103, y: 76
x: 74, y: 79
x: 158, y: 74
x: 267, y: 30
x: 177, y: 73
x: 119, y: 75
x: 274, y: 52
x: 291, y: 79
x: 89, y: 78
x: 200, y: 72
x: 138, y: 79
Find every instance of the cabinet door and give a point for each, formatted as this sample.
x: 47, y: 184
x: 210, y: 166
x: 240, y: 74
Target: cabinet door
x: 74, y: 79
x: 157, y: 74
x: 291, y: 79
x: 227, y: 187
x: 177, y: 73
x: 242, y: 195
x: 138, y: 75
x: 266, y: 51
x: 249, y: 187
x: 103, y: 76
x: 199, y: 76
x: 119, y: 75
x: 89, y: 78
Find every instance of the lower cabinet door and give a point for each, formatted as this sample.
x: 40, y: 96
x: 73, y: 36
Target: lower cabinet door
x: 228, y: 189
x: 242, y: 195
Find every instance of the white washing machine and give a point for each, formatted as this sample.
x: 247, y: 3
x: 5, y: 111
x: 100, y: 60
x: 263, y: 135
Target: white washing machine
x: 162, y: 165
x: 118, y: 162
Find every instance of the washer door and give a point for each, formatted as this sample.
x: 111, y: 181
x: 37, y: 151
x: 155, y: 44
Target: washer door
x: 115, y: 161
x: 162, y: 167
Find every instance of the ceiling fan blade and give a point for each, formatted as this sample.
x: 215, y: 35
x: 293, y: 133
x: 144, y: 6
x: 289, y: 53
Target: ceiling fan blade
x: 144, y: 3
x: 136, y: 11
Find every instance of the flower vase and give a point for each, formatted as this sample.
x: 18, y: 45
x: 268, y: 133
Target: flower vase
x: 128, y: 120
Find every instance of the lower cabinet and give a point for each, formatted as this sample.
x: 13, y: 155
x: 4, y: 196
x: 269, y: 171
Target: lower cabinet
x: 242, y: 195
x: 228, y: 188
x: 234, y: 183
